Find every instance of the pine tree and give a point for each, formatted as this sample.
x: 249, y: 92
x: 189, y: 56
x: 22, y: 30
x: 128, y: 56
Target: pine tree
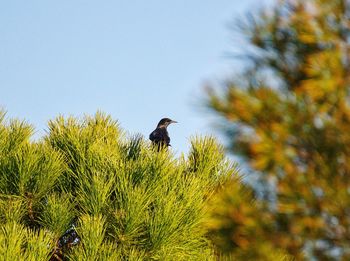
x: 288, y: 115
x: 86, y: 191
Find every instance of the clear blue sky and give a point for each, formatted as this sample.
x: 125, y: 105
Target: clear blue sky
x: 136, y: 60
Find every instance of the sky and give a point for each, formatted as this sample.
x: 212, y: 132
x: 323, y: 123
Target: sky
x: 138, y: 61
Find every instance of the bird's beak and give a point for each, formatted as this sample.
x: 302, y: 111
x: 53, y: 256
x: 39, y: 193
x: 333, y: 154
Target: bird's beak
x: 173, y: 121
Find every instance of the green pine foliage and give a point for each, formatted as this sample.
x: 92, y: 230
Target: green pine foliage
x: 125, y: 200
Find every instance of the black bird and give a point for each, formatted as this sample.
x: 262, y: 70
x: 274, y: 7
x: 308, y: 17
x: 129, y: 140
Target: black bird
x: 160, y: 135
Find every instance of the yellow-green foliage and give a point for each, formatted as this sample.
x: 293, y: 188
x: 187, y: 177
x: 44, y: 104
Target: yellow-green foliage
x: 288, y: 115
x: 237, y: 227
x: 126, y: 200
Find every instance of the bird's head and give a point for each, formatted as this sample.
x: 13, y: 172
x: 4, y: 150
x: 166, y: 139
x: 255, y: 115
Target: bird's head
x: 163, y: 123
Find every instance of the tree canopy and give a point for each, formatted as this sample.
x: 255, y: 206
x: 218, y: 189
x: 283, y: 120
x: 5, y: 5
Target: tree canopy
x: 288, y: 115
x: 87, y: 191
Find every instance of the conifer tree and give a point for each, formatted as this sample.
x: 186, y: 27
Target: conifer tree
x: 86, y: 191
x: 288, y: 115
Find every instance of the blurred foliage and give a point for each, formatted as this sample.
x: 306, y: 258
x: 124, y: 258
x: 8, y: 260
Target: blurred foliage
x: 288, y: 114
x: 236, y: 226
x: 85, y: 191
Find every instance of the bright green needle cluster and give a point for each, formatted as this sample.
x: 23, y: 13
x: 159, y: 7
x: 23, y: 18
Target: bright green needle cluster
x: 125, y: 200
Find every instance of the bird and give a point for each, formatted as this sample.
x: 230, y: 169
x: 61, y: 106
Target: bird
x: 160, y: 136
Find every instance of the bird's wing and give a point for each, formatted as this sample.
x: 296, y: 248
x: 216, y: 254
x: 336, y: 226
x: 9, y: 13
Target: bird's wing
x: 156, y: 136
x: 167, y: 139
x: 160, y: 135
